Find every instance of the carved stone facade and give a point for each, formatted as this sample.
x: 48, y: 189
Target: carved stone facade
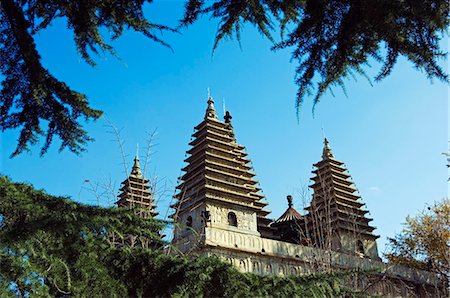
x: 219, y: 211
x: 220, y: 218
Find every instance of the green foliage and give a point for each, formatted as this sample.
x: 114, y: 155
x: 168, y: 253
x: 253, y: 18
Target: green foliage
x: 61, y: 245
x: 54, y: 247
x: 158, y: 275
x: 331, y: 41
x: 31, y: 97
x: 334, y: 40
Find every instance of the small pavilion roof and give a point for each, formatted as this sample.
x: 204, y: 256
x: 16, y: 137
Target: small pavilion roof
x: 290, y: 213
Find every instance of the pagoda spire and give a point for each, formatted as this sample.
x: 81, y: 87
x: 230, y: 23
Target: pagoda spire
x: 210, y: 110
x: 326, y: 149
x: 227, y: 117
x: 228, y: 124
x: 136, y: 169
x: 289, y: 199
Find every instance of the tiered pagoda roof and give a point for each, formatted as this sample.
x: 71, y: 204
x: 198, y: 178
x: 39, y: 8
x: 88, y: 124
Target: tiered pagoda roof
x: 335, y: 202
x: 135, y: 192
x: 288, y: 227
x: 218, y: 170
x: 290, y: 214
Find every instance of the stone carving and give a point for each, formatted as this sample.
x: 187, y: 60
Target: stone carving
x: 242, y: 265
x: 256, y: 267
x: 281, y: 270
x: 219, y: 217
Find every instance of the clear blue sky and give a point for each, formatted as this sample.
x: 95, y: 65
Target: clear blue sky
x: 391, y: 136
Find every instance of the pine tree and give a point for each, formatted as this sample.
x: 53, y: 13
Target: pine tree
x: 30, y: 96
x: 54, y: 247
x: 331, y: 40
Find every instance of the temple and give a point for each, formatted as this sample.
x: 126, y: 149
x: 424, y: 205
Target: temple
x: 219, y: 210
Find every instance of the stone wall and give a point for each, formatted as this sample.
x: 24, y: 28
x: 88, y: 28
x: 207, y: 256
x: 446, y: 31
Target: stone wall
x: 245, y: 249
x: 349, y: 244
x: 181, y: 228
x: 298, y: 258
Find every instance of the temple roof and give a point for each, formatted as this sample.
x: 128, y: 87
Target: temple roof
x: 290, y: 214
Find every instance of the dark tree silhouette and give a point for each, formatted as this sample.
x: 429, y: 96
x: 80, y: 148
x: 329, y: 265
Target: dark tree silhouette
x: 30, y: 95
x: 331, y: 41
x: 334, y: 39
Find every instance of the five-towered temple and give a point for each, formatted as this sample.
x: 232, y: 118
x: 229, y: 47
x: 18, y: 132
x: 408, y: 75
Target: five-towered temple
x: 219, y: 210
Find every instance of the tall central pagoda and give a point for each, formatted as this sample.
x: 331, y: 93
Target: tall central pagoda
x: 218, y: 189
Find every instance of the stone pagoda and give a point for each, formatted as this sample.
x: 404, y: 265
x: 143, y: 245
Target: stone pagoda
x: 218, y: 191
x: 136, y: 192
x: 335, y: 218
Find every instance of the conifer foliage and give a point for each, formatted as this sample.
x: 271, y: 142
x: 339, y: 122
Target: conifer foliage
x: 331, y: 40
x: 334, y: 39
x: 31, y: 98
x: 53, y: 247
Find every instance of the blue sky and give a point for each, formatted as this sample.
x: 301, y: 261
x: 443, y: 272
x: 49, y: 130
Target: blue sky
x: 391, y: 136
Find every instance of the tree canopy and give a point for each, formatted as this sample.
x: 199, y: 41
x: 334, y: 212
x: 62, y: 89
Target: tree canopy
x: 54, y: 247
x: 424, y: 243
x: 331, y: 41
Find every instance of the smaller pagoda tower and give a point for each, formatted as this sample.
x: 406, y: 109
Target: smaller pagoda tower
x: 335, y: 218
x: 136, y: 192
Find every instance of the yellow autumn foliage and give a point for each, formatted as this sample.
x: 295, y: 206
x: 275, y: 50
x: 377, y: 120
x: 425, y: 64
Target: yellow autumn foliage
x: 425, y: 241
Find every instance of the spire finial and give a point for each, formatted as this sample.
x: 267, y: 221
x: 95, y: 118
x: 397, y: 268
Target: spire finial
x: 227, y: 117
x: 210, y: 110
x: 228, y: 124
x: 326, y: 149
x: 289, y: 199
x: 136, y: 170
